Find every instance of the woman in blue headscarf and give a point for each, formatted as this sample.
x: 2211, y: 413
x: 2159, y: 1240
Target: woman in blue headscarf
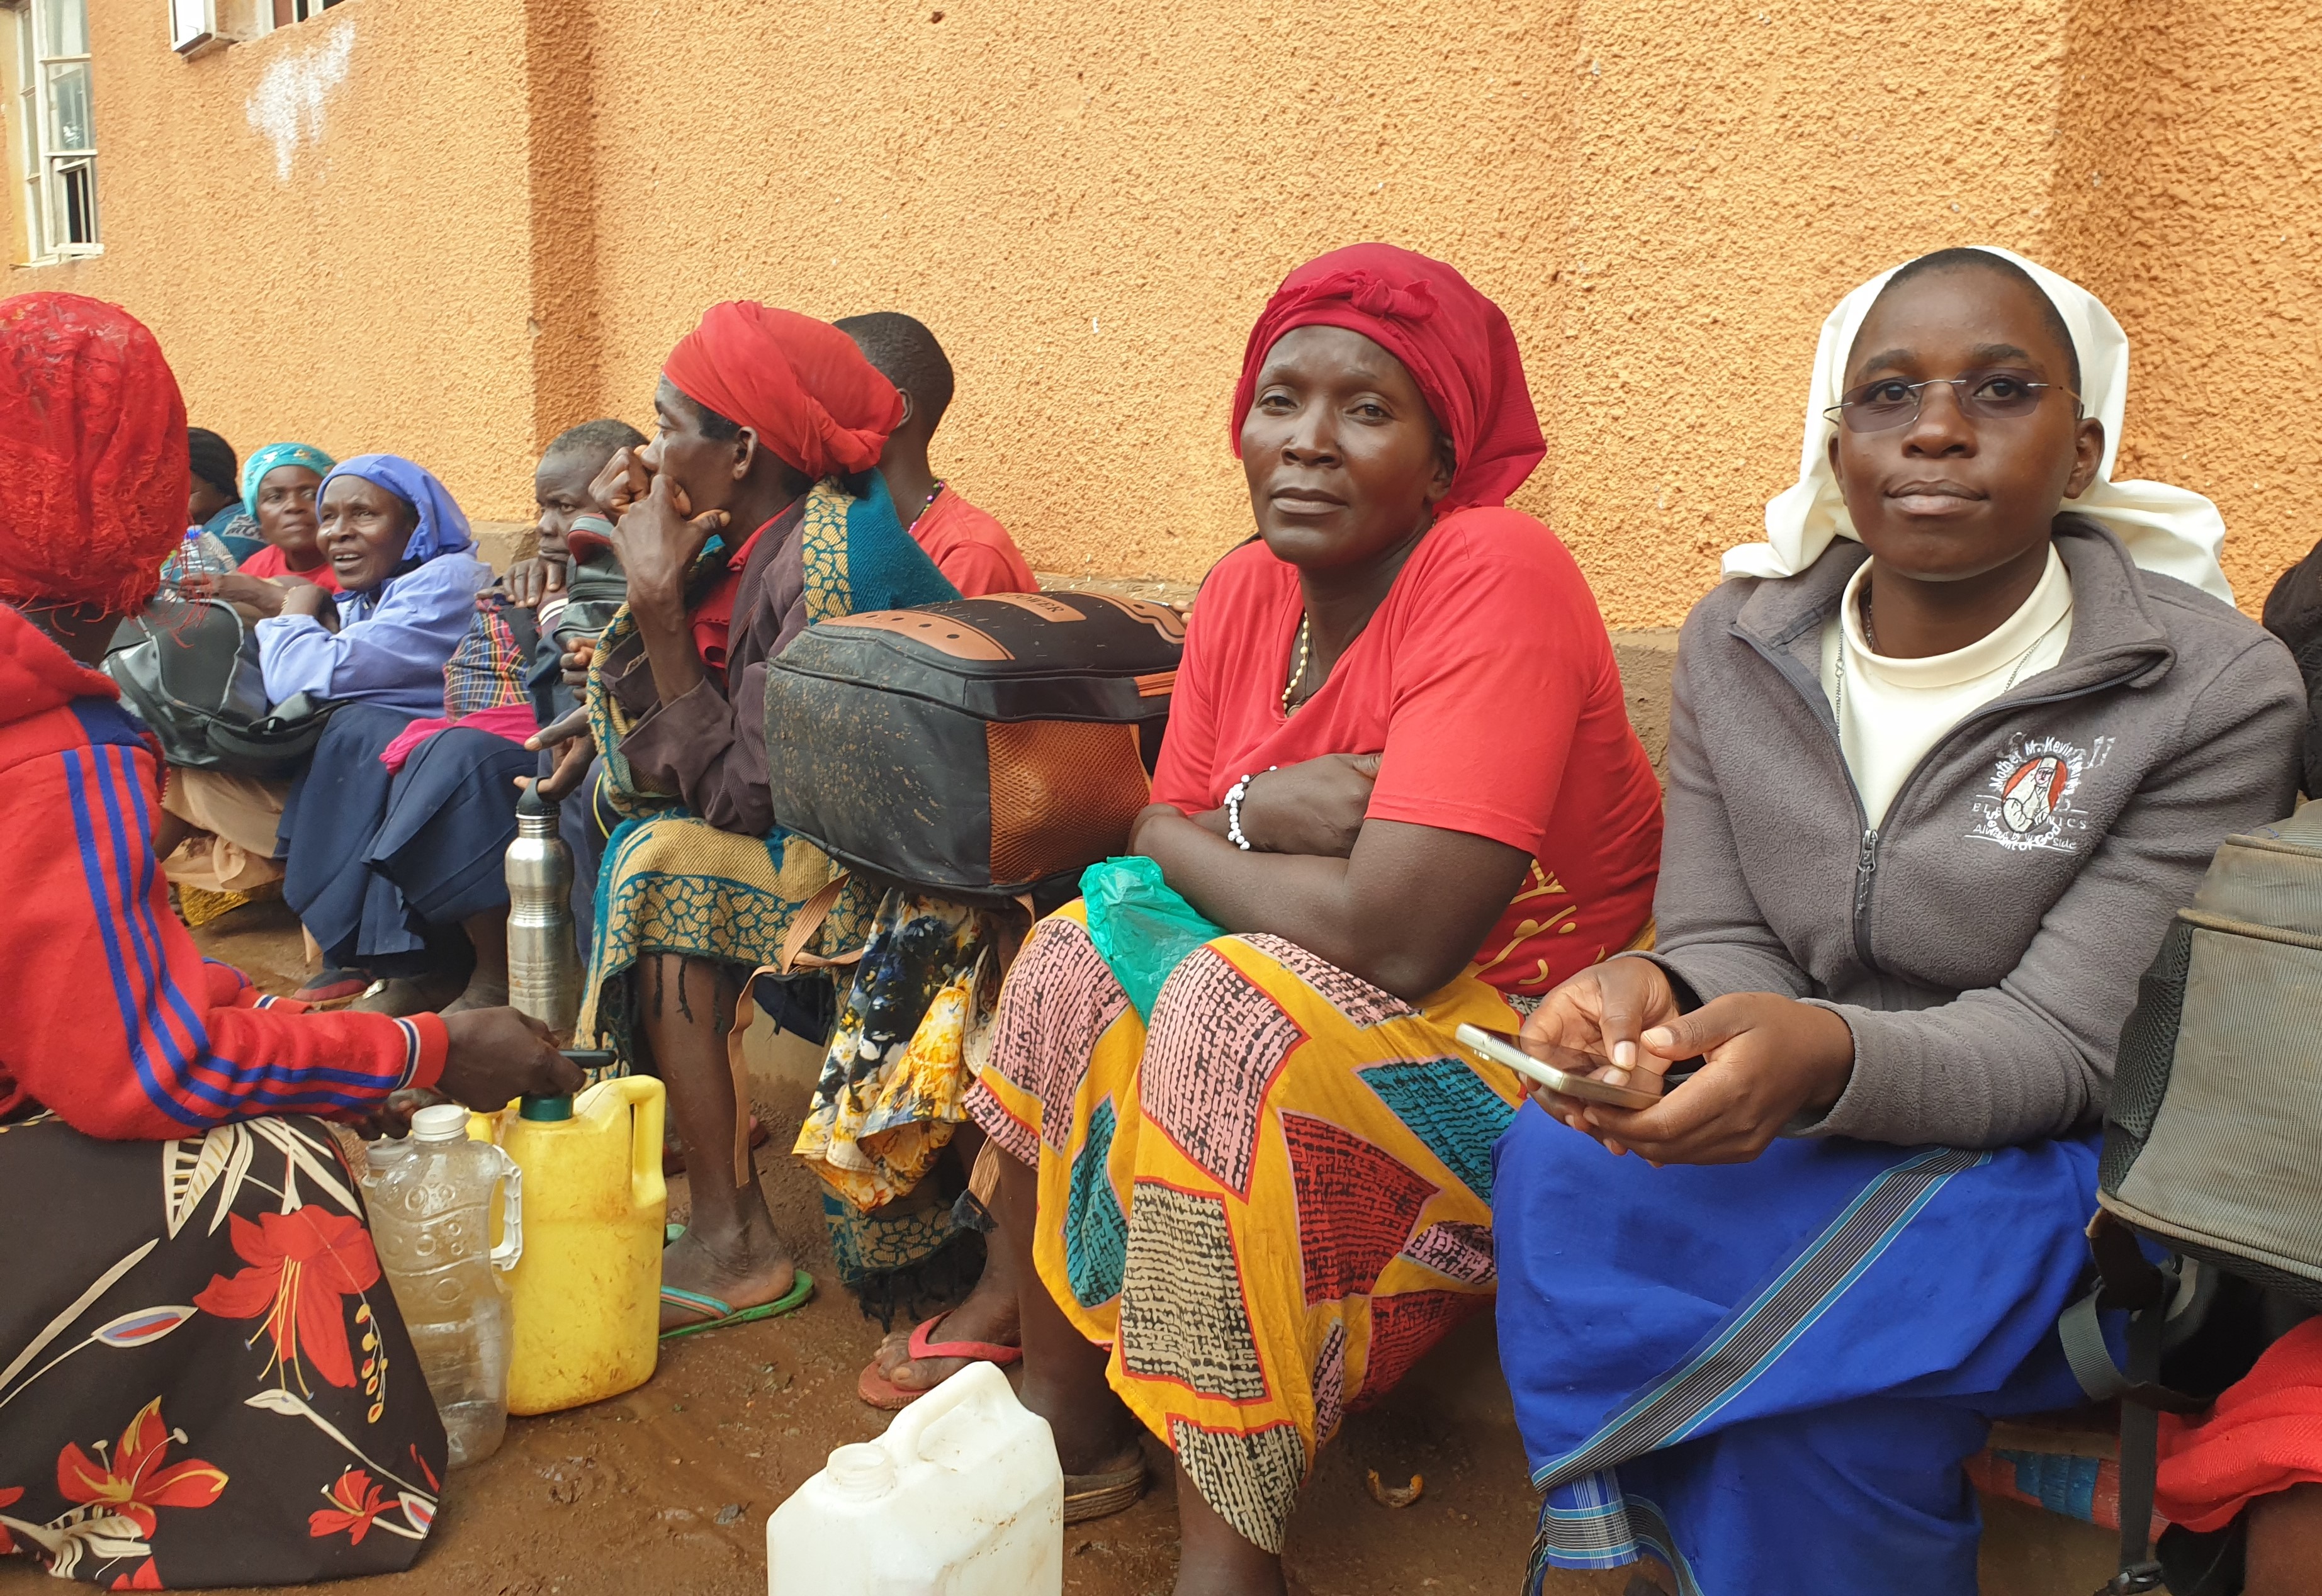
x: 408, y: 584
x: 400, y: 551
x: 407, y: 572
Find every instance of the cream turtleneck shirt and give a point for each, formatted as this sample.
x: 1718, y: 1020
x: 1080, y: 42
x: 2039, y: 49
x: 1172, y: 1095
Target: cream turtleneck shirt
x: 1891, y: 712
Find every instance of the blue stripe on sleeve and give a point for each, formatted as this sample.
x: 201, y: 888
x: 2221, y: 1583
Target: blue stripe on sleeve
x: 144, y: 937
x: 93, y: 871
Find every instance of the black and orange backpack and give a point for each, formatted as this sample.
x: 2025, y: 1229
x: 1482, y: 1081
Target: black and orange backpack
x: 980, y: 748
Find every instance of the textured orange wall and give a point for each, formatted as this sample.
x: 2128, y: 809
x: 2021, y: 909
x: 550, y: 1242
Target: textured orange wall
x: 513, y: 210
x: 1089, y: 206
x: 2189, y: 195
x: 1735, y: 170
x: 372, y: 297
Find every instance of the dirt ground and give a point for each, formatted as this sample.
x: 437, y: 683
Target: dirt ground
x: 668, y: 1488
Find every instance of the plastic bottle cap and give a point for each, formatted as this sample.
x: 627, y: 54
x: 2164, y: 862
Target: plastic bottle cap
x: 440, y: 1122
x: 550, y: 1108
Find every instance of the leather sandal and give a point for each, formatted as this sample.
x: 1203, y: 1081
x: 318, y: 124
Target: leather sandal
x: 1099, y: 1496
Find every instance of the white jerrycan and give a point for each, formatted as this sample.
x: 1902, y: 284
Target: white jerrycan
x: 962, y: 1496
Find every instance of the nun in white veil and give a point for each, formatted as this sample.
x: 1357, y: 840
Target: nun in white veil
x: 1905, y: 900
x: 2169, y: 529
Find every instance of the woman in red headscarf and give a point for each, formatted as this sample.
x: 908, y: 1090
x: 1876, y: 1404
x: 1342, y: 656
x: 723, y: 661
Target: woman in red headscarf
x: 1401, y: 778
x: 756, y: 509
x: 203, y: 1379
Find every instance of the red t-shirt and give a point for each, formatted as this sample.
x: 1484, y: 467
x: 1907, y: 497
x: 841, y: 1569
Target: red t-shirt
x: 269, y: 562
x: 712, y: 620
x: 972, y: 551
x: 1486, y: 679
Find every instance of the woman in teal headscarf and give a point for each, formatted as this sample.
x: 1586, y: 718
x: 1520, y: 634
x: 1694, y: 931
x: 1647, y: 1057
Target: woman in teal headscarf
x: 279, y: 484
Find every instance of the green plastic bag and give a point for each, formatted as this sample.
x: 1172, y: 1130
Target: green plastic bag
x: 1142, y: 929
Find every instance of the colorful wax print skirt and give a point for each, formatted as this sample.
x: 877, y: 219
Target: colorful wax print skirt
x: 895, y: 1076
x: 1270, y: 1203
x: 913, y: 1032
x: 674, y: 884
x: 1768, y: 1375
x: 204, y: 1380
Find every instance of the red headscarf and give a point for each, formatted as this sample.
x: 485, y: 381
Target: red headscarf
x: 93, y: 464
x: 801, y: 384
x: 1456, y: 344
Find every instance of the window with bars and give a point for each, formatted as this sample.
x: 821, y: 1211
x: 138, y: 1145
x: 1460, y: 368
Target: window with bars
x: 52, y: 130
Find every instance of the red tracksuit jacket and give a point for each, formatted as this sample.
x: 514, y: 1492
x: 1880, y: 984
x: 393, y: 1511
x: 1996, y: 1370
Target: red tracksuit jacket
x: 108, y: 1014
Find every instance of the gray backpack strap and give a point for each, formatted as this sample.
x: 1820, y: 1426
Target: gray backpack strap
x: 2153, y: 1295
x: 2082, y: 1335
x: 2139, y: 1443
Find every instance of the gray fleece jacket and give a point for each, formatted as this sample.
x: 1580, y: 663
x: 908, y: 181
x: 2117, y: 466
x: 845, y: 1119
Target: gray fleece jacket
x: 1984, y: 943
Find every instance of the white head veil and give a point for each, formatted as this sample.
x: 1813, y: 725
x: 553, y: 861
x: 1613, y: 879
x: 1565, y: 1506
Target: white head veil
x: 2169, y: 530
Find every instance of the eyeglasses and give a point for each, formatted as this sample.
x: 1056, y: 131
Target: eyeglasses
x: 1982, y: 396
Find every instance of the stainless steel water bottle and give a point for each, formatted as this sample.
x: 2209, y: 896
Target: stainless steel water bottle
x: 543, y: 964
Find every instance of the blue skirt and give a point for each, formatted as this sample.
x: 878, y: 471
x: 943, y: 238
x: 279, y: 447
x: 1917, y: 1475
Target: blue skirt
x: 381, y: 863
x: 450, y: 818
x: 1767, y: 1375
x: 333, y: 810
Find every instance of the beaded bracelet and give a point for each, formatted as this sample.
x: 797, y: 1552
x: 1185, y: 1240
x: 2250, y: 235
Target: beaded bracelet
x: 1234, y: 795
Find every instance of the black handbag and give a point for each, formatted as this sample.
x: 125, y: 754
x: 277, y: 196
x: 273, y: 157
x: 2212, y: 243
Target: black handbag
x: 978, y: 748
x: 188, y: 669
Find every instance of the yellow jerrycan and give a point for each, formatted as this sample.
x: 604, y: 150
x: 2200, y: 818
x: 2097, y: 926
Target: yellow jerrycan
x: 585, y: 1297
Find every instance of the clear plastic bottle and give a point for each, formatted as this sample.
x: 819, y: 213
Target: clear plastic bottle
x: 431, y: 1220
x: 200, y: 554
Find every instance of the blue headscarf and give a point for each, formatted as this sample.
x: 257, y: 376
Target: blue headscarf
x: 254, y: 469
x: 443, y: 527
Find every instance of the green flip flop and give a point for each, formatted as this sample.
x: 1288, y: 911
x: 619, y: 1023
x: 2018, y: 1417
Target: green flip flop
x: 722, y: 1314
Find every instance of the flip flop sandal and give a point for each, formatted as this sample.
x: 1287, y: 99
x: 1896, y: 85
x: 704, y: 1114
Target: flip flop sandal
x: 333, y: 985
x: 721, y: 1315
x: 1099, y: 1496
x: 884, y: 1394
x: 672, y: 1157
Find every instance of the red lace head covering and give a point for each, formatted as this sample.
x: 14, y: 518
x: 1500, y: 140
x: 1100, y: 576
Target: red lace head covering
x: 1456, y: 344
x: 799, y: 384
x: 93, y: 463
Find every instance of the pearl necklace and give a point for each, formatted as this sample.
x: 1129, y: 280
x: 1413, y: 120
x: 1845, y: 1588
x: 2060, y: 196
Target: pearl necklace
x: 1298, y: 673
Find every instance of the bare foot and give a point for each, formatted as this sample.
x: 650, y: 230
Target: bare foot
x: 988, y: 1315
x: 744, y: 1271
x: 406, y: 995
x: 480, y: 994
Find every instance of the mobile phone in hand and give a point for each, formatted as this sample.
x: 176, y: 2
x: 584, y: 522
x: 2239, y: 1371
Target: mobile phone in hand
x: 1565, y: 1072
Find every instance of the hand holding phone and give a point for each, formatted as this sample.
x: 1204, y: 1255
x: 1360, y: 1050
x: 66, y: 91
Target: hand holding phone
x: 1565, y: 1071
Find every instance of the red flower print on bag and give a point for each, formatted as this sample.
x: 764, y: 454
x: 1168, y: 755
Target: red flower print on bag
x: 146, y: 1578
x: 303, y: 1266
x: 136, y: 1482
x: 8, y: 1495
x: 357, y: 1505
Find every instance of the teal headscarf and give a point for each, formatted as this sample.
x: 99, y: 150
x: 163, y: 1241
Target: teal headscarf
x: 254, y: 469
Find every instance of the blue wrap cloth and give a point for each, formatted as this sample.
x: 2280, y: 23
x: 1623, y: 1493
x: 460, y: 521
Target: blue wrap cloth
x: 1767, y: 1375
